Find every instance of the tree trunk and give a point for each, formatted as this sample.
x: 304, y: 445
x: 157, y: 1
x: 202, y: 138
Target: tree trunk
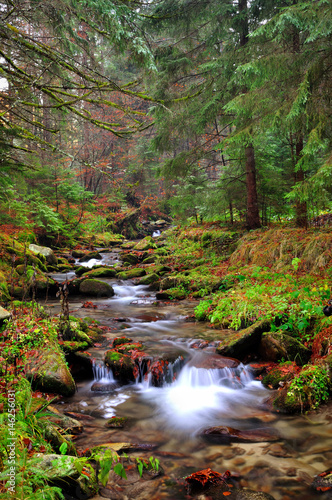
x: 253, y: 221
x: 300, y: 206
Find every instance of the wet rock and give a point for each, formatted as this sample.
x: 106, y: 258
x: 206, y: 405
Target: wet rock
x: 48, y: 371
x: 116, y: 422
x: 275, y: 346
x: 122, y: 366
x: 56, y: 439
x: 163, y: 295
x: 241, y: 343
x: 121, y: 340
x: 96, y: 288
x: 45, y: 251
x: 103, y: 387
x: 138, y: 272
x: 149, y: 260
x: 222, y: 434
x: 101, y: 272
x: 279, y: 450
x: 89, y: 256
x: 78, y: 416
x: 61, y: 471
x: 212, y: 362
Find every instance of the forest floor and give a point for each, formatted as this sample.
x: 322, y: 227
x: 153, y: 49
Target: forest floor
x: 267, y: 287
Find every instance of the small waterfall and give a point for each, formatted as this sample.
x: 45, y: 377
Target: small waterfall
x: 156, y: 233
x: 102, y: 373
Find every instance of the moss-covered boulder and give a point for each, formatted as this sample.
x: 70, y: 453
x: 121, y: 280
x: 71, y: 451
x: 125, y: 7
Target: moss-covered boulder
x: 77, y: 254
x: 129, y: 258
x: 44, y: 251
x: 138, y: 272
x: 146, y: 243
x: 122, y: 366
x: 101, y: 272
x: 96, y: 288
x: 48, y: 371
x: 242, y: 343
x: 4, y: 291
x: 149, y: 279
x: 277, y: 346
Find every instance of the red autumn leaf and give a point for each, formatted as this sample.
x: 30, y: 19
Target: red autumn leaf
x: 226, y: 493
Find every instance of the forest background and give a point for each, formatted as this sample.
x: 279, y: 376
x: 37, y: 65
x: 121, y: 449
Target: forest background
x: 206, y: 109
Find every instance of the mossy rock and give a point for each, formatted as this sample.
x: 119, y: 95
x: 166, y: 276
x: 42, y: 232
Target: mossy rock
x: 146, y: 243
x: 4, y: 291
x: 241, y: 343
x: 49, y: 372
x: 280, y: 375
x: 96, y: 288
x: 122, y: 366
x: 70, y: 347
x: 116, y: 422
x: 129, y: 258
x: 45, y: 252
x: 149, y: 260
x: 91, y: 255
x: 101, y: 272
x: 121, y: 340
x: 138, y: 272
x: 276, y: 346
x: 64, y: 472
x: 161, y: 270
x: 80, y: 270
x: 77, y: 254
x: 149, y: 278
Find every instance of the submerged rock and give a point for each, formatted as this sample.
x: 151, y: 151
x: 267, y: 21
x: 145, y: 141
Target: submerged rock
x: 223, y: 434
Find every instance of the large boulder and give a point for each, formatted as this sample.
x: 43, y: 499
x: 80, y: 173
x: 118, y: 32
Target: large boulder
x: 122, y: 366
x: 45, y: 251
x: 96, y: 288
x: 131, y: 273
x: 48, y: 370
x: 242, y: 343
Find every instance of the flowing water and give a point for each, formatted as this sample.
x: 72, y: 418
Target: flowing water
x: 193, y: 397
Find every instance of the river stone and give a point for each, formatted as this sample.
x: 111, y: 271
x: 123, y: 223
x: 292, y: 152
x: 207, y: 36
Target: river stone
x: 223, y: 434
x: 241, y: 343
x: 68, y: 424
x: 129, y: 258
x: 103, y: 387
x: 78, y: 253
x: 45, y: 251
x: 275, y: 346
x: 96, y: 288
x: 49, y: 372
x: 61, y: 471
